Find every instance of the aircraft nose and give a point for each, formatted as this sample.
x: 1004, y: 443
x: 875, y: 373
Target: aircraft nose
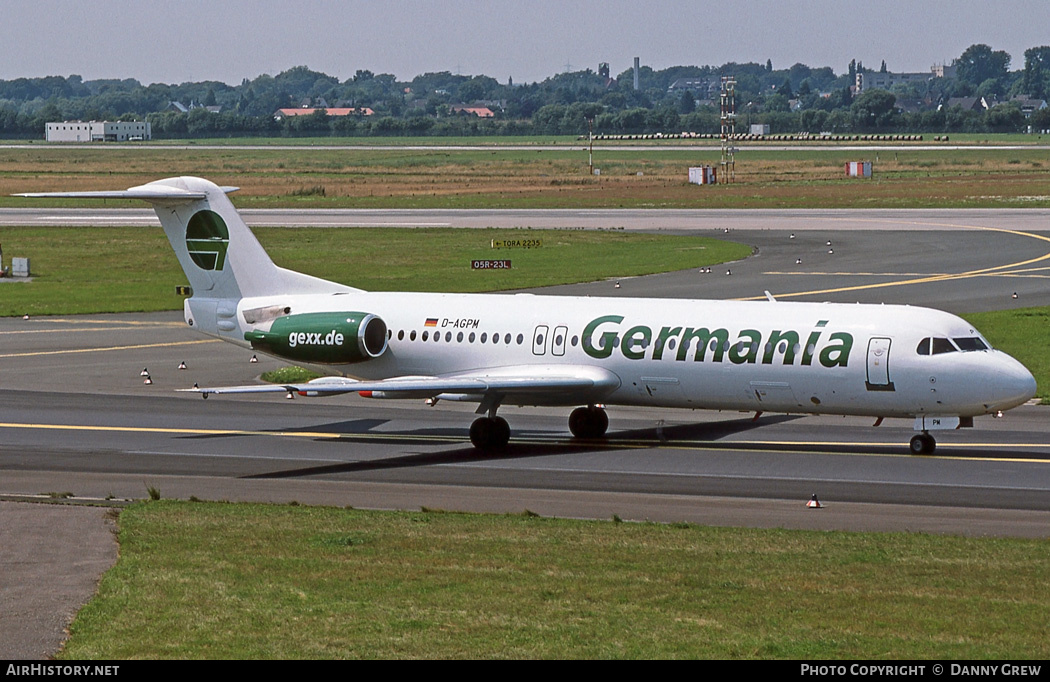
x: 1014, y: 384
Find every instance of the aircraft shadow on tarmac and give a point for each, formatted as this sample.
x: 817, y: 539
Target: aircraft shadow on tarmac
x: 532, y: 443
x: 526, y: 447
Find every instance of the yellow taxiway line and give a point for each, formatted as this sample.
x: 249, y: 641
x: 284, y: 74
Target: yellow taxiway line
x: 107, y: 348
x: 777, y: 446
x: 994, y: 270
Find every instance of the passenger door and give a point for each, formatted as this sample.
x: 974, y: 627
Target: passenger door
x: 879, y: 365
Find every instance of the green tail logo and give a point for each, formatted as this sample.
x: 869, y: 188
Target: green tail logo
x: 207, y: 240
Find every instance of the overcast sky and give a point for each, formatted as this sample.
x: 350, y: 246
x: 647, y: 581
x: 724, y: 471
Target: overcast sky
x: 528, y: 40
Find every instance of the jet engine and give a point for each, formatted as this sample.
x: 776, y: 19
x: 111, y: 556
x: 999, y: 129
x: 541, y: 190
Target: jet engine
x: 323, y: 338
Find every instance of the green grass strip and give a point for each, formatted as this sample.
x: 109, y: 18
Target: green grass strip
x: 79, y: 270
x: 234, y: 581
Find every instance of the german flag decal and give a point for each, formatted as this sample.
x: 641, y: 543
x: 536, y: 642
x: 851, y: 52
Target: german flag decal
x: 431, y: 322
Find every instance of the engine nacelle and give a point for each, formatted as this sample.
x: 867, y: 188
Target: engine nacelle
x: 323, y: 338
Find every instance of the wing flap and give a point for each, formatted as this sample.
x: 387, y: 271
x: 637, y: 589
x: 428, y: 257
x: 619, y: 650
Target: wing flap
x: 546, y: 383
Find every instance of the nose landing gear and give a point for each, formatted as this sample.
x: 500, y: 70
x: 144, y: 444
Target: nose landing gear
x: 923, y: 444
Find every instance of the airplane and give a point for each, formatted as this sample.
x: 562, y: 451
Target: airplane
x: 582, y: 352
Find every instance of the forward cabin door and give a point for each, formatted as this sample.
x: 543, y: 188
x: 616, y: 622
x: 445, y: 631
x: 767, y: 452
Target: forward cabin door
x: 879, y: 365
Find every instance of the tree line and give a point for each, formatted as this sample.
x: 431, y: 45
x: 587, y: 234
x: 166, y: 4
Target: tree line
x: 795, y: 99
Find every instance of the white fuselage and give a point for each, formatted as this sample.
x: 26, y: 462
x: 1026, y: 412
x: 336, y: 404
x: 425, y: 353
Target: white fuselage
x: 763, y: 356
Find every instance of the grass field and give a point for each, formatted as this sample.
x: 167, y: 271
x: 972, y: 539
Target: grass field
x: 233, y: 581
x: 497, y: 177
x: 115, y: 269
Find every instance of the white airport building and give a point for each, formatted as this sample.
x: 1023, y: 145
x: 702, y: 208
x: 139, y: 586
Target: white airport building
x: 99, y: 131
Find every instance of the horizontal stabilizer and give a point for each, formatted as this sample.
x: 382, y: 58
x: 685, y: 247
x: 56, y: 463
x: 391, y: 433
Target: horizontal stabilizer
x: 153, y: 192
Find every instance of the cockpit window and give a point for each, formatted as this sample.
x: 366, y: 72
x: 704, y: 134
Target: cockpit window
x: 942, y: 346
x: 969, y: 343
x: 936, y: 346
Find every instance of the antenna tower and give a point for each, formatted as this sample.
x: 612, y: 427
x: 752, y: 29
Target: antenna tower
x: 728, y: 98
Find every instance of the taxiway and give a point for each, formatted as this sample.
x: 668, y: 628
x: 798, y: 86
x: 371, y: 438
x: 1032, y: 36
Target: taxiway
x: 77, y: 417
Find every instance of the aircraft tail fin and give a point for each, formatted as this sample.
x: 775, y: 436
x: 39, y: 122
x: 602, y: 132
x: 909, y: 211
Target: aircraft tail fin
x: 221, y: 257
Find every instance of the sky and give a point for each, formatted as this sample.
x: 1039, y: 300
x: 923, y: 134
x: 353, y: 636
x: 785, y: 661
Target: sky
x: 527, y: 40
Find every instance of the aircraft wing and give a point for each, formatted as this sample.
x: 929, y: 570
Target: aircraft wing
x: 548, y: 385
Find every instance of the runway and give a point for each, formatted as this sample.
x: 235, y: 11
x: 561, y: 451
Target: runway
x: 76, y: 417
x: 647, y: 219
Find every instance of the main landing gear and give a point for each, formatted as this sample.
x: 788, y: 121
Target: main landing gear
x: 923, y: 444
x: 493, y: 433
x: 490, y: 433
x: 588, y: 422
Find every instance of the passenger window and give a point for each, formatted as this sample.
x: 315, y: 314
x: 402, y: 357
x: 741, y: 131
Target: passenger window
x: 942, y: 346
x: 924, y: 347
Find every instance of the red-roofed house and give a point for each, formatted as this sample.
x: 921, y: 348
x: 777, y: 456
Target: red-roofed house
x: 335, y: 111
x: 480, y: 112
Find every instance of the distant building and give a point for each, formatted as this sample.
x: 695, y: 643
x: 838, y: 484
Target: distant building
x: 943, y: 71
x: 98, y: 131
x: 967, y: 103
x: 281, y: 114
x: 1029, y: 105
x: 884, y: 80
x: 912, y: 105
x: 181, y: 108
x: 703, y: 88
x: 877, y: 80
x: 480, y: 112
